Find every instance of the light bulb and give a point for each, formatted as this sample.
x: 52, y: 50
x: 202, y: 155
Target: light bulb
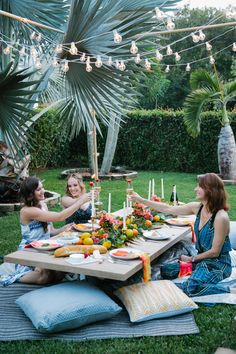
x: 177, y: 56
x: 159, y: 56
x: 188, y: 67
x: 159, y: 13
x: 98, y: 62
x: 147, y: 64
x: 7, y: 50
x: 33, y: 52
x: 38, y: 64
x: 122, y: 66
x: 22, y: 52
x: 234, y: 47
x: 58, y: 49
x: 55, y: 63
x: 65, y: 66
x: 89, y: 68
x: 33, y: 35
x: 39, y: 37
x: 167, y: 69
x: 117, y: 37
x: 195, y: 38
x: 83, y: 57
x: 212, y: 60
x: 137, y: 59
x: 117, y: 64
x: 202, y: 36
x: 109, y: 62
x: 169, y: 51
x: 73, y: 50
x: 170, y: 24
x: 133, y: 48
x: 208, y: 46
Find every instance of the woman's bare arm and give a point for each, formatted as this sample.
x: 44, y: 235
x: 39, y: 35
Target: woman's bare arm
x: 34, y: 213
x: 187, y: 209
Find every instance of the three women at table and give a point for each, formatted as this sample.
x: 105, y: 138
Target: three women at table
x: 75, y: 190
x: 36, y: 224
x: 211, y: 227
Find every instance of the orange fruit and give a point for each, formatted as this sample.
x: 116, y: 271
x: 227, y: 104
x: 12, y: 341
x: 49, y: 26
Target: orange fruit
x: 107, y: 244
x: 135, y: 232
x: 85, y: 235
x: 88, y: 241
x: 80, y: 242
x: 148, y: 223
x: 129, y: 233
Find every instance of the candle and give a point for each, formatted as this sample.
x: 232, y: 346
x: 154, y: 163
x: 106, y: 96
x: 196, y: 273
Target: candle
x: 162, y: 189
x: 127, y: 201
x: 174, y: 190
x: 124, y: 217
x: 93, y: 206
x: 153, y: 186
x: 109, y: 204
x: 149, y: 190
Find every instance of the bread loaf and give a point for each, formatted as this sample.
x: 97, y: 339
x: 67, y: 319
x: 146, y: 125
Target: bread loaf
x: 67, y: 250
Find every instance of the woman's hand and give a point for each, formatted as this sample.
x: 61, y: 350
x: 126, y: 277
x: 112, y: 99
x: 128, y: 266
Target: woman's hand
x: 186, y: 258
x: 135, y: 197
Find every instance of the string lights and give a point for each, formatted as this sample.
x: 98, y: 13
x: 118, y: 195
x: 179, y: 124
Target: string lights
x: 117, y: 37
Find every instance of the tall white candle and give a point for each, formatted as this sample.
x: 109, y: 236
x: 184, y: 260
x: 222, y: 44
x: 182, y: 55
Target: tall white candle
x: 153, y: 186
x: 162, y: 189
x: 174, y: 190
x: 109, y: 204
x: 93, y: 206
x: 149, y: 190
x: 127, y: 201
x: 124, y: 216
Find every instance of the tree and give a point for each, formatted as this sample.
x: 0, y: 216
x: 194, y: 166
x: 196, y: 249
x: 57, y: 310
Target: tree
x: 90, y: 25
x: 209, y: 89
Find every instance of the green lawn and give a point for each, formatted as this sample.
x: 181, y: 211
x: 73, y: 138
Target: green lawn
x: 215, y: 324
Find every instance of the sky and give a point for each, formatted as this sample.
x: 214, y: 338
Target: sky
x: 210, y: 3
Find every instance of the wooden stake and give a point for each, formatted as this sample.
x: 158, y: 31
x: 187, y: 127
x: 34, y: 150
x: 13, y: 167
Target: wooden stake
x: 26, y: 20
x: 95, y: 145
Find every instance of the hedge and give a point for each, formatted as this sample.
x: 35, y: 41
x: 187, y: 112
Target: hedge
x: 149, y: 140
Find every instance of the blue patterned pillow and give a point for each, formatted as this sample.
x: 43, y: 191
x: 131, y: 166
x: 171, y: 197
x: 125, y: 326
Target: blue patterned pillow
x: 66, y: 306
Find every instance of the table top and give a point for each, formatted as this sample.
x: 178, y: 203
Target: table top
x: 116, y: 271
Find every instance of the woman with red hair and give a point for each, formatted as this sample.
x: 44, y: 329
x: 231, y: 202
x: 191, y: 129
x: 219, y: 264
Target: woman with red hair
x: 211, y: 227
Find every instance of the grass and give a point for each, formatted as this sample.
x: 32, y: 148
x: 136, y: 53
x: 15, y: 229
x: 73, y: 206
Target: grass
x: 215, y: 323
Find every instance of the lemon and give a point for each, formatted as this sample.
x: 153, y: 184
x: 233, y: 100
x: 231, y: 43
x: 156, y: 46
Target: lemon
x: 128, y: 221
x: 85, y: 235
x: 88, y: 241
x: 107, y: 244
x: 129, y: 233
x: 156, y: 218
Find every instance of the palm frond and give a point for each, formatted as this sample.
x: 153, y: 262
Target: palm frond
x: 193, y: 107
x: 202, y: 78
x: 230, y: 91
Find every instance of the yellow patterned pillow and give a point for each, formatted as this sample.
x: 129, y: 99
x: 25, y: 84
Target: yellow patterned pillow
x: 155, y: 299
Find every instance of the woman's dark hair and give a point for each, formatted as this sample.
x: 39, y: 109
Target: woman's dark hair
x: 215, y: 192
x: 28, y: 187
x: 27, y: 190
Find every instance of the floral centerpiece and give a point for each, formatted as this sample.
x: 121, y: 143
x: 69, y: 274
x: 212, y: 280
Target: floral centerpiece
x: 142, y: 216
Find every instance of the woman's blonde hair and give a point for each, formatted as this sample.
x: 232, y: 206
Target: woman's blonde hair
x: 79, y: 179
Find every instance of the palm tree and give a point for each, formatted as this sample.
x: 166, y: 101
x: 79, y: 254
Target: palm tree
x: 90, y: 25
x: 209, y: 88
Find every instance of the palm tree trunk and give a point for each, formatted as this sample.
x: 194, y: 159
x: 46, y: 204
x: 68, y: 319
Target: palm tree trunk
x: 110, y: 148
x: 227, y: 153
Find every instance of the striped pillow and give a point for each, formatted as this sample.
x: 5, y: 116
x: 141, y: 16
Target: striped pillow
x: 156, y: 299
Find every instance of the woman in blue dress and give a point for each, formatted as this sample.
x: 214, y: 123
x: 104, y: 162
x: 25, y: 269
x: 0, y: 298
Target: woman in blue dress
x: 36, y: 224
x: 75, y: 190
x: 212, y: 262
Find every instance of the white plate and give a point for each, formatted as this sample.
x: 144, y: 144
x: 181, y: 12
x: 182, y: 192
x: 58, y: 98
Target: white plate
x: 131, y: 253
x: 46, y: 245
x: 154, y: 235
x: 177, y: 222
x: 85, y: 227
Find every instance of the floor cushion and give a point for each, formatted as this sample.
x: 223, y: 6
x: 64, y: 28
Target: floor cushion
x: 155, y: 299
x: 66, y: 306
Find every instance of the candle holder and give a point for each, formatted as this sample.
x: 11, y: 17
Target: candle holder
x: 98, y: 209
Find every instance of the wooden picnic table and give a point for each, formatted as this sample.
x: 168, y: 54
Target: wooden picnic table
x: 108, y: 270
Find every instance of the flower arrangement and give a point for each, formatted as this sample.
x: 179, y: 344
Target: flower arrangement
x: 141, y: 216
